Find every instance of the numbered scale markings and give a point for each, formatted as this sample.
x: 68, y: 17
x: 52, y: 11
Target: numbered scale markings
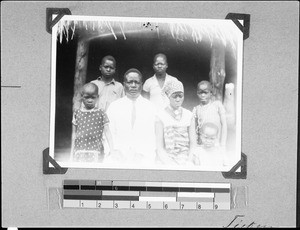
x: 145, y: 195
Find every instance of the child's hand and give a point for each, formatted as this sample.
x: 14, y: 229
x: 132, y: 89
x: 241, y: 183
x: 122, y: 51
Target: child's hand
x: 116, y: 155
x: 190, y: 157
x: 196, y: 161
x: 189, y: 162
x: 193, y: 154
x: 164, y: 158
x: 71, y: 155
x: 114, y: 152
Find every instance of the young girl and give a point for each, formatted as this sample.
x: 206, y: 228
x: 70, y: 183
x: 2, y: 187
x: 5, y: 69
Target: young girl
x: 209, y: 110
x: 89, y: 123
x: 176, y: 132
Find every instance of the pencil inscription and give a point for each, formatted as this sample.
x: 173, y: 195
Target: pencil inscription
x: 238, y: 222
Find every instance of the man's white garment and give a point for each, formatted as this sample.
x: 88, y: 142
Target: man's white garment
x: 136, y: 142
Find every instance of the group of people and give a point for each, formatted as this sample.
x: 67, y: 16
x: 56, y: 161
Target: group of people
x: 145, y: 124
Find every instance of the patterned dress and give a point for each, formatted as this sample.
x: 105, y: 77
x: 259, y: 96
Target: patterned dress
x: 89, y: 129
x: 176, y: 134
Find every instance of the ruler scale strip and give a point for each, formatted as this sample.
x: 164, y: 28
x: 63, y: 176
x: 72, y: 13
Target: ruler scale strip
x: 108, y: 194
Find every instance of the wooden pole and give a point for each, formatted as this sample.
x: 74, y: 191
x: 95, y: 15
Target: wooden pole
x: 217, y: 70
x: 79, y: 79
x: 80, y: 71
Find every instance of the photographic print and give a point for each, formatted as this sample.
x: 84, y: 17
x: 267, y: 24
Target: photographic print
x: 146, y: 93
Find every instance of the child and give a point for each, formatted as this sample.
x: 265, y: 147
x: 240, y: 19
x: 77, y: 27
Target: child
x: 89, y: 122
x: 209, y: 153
x: 176, y: 137
x: 108, y: 88
x: 154, y: 87
x: 209, y: 110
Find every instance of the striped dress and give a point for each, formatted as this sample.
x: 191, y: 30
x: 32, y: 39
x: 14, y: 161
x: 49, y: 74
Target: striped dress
x: 176, y: 135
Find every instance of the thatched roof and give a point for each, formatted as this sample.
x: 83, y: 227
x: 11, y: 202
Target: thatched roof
x: 223, y: 31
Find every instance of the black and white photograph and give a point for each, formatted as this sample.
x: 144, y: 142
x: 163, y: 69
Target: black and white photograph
x: 146, y: 93
x: 150, y: 114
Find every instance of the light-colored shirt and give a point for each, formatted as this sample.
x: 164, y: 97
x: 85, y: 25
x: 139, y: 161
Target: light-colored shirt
x: 136, y: 143
x: 212, y: 158
x: 209, y: 113
x: 157, y: 94
x: 108, y: 92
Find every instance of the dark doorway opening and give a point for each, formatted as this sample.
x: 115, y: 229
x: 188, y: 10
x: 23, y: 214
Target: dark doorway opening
x: 188, y: 61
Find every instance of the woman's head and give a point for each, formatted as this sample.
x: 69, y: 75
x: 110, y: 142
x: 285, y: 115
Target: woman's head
x: 175, y: 92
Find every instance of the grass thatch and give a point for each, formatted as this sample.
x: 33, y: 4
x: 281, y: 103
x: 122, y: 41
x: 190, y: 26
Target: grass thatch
x: 223, y: 31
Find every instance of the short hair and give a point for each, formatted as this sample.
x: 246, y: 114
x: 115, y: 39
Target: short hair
x: 90, y: 85
x: 209, y: 85
x: 160, y: 55
x: 132, y: 70
x: 110, y: 58
x: 209, y: 125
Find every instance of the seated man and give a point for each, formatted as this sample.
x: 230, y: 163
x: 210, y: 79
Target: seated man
x: 132, y: 123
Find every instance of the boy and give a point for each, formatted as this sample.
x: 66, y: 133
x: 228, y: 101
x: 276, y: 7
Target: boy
x: 109, y: 89
x: 154, y: 87
x: 89, y: 123
x: 210, y: 111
